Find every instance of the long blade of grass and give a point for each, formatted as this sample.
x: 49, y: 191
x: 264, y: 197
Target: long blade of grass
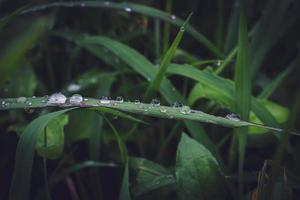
x: 156, y: 82
x: 20, y: 186
x: 132, y: 7
x: 242, y: 91
x: 183, y: 113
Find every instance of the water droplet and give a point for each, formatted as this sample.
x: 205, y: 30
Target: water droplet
x: 33, y: 97
x: 233, y: 117
x: 119, y: 100
x: 73, y: 87
x: 163, y: 110
x: 173, y: 17
x: 177, y: 104
x: 21, y: 100
x: 116, y: 117
x: 82, y: 5
x: 137, y: 101
x: 3, y: 102
x: 85, y: 99
x: 29, y: 103
x: 57, y: 98
x: 106, y: 3
x: 218, y: 63
x: 148, y: 79
x: 182, y: 29
x: 127, y: 9
x: 155, y: 102
x: 185, y: 110
x: 76, y: 99
x: 105, y: 100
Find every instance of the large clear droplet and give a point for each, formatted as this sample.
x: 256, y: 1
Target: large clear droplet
x: 105, y: 100
x: 173, y: 17
x: 21, y: 100
x: 76, y: 99
x: 185, y: 110
x: 57, y: 98
x: 127, y: 9
x: 119, y: 100
x: 137, y: 101
x: 163, y: 110
x: 233, y: 117
x: 155, y: 102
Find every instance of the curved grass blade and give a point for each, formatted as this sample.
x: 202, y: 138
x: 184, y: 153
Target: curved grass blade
x: 124, y: 192
x: 132, y: 7
x: 20, y: 186
x: 155, y: 83
x: 223, y: 86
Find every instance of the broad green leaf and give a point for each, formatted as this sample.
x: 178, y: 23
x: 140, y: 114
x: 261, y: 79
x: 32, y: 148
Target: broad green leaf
x: 149, y: 176
x: 55, y: 138
x: 20, y: 186
x: 125, y: 192
x: 198, y: 174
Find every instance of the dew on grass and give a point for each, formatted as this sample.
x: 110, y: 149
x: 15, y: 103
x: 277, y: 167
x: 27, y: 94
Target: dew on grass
x: 173, y: 17
x: 163, y: 110
x: 106, y: 3
x: 233, y: 117
x: 177, y: 104
x: 21, y: 100
x: 57, y: 98
x: 127, y: 9
x: 185, y: 110
x: 105, y: 100
x: 218, y: 63
x: 137, y: 102
x: 29, y: 103
x: 155, y: 102
x: 119, y: 100
x: 76, y: 99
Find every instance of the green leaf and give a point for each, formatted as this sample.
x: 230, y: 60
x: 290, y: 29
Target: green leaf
x: 149, y: 176
x: 20, y: 186
x: 198, y: 174
x: 125, y: 192
x: 55, y: 138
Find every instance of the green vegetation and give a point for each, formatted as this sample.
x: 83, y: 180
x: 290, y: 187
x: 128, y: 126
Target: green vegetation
x: 149, y: 100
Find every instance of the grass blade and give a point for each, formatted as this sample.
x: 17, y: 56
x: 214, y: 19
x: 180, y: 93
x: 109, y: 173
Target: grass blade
x: 20, y: 186
x: 155, y: 83
x: 124, y: 192
x: 242, y: 91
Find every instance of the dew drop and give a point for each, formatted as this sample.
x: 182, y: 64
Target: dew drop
x: 173, y: 17
x: 3, y: 102
x: 21, y: 100
x: 57, y: 98
x: 137, y: 101
x: 127, y: 9
x: 106, y: 3
x: 218, y: 63
x: 155, y: 102
x: 73, y: 87
x: 177, y: 104
x: 82, y: 5
x: 119, y: 100
x: 105, y: 100
x: 163, y: 110
x: 29, y: 103
x: 233, y: 117
x: 76, y: 99
x: 185, y: 110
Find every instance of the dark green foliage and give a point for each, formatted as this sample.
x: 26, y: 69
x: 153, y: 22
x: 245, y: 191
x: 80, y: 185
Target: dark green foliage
x: 202, y: 108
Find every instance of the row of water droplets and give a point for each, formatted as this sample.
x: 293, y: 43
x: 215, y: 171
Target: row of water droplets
x: 77, y: 99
